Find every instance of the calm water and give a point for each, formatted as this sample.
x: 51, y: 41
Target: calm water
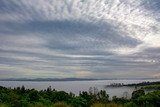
x: 77, y: 86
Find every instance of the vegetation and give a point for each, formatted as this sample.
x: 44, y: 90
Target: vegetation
x: 151, y: 87
x: 21, y: 97
x: 144, y: 85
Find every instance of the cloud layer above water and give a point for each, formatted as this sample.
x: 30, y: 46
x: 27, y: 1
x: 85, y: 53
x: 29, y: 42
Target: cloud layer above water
x: 79, y: 38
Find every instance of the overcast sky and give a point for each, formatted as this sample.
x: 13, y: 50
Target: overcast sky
x: 79, y: 38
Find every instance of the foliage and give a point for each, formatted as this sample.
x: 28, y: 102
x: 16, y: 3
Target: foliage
x: 152, y: 99
x: 137, y: 93
x: 3, y: 105
x: 22, y: 97
x: 152, y: 87
x: 144, y: 84
x: 98, y: 105
x: 37, y: 104
x: 106, y: 105
x: 113, y: 105
x: 60, y: 104
x: 119, y: 100
x: 130, y: 104
x: 102, y: 96
x: 79, y: 102
x: 90, y: 98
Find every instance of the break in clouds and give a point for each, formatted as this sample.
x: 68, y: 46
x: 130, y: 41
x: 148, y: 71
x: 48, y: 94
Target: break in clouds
x: 79, y: 38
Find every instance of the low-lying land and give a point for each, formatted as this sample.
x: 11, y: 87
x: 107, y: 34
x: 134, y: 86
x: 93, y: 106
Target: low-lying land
x: 143, y: 85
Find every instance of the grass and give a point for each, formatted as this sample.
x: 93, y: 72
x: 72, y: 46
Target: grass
x: 60, y: 104
x: 106, y: 105
x: 3, y: 105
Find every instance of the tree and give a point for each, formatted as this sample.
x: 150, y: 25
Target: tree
x: 93, y: 91
x: 12, y: 99
x: 150, y: 99
x: 89, y: 98
x: 22, y: 90
x: 49, y: 89
x: 137, y: 93
x: 79, y: 102
x: 119, y: 100
x: 102, y: 96
x: 59, y: 96
x: 34, y: 96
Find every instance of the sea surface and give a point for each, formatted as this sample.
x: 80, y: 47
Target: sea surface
x: 77, y: 86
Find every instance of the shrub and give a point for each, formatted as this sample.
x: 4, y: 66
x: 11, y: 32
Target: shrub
x: 137, y: 93
x: 3, y: 105
x: 113, y: 105
x: 60, y: 104
x: 37, y: 104
x: 98, y: 105
x: 130, y: 104
x: 106, y: 105
x: 79, y: 102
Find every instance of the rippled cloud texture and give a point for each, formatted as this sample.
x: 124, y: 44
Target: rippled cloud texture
x: 79, y: 38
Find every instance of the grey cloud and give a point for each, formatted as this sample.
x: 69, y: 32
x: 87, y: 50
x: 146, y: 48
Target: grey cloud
x: 55, y: 37
x: 74, y: 36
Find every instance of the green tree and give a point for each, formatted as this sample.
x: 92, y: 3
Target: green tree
x: 102, y: 96
x: 79, y: 102
x: 59, y: 96
x: 119, y: 100
x: 137, y: 93
x: 12, y: 99
x: 34, y: 96
x: 150, y: 99
x: 89, y: 98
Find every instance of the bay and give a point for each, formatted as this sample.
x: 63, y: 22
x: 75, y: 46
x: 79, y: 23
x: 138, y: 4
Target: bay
x: 77, y: 86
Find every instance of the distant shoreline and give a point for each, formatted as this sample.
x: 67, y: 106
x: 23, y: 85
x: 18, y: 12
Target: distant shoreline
x: 49, y: 79
x: 71, y: 79
x: 141, y: 84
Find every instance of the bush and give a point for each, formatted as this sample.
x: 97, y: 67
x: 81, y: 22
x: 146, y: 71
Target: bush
x: 37, y: 104
x: 113, y: 105
x: 34, y: 96
x: 102, y: 96
x: 60, y: 104
x: 98, y: 105
x: 60, y: 96
x: 106, y: 105
x: 130, y: 104
x: 3, y: 105
x: 89, y: 98
x: 119, y: 100
x: 137, y: 93
x: 79, y: 102
x: 150, y: 99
